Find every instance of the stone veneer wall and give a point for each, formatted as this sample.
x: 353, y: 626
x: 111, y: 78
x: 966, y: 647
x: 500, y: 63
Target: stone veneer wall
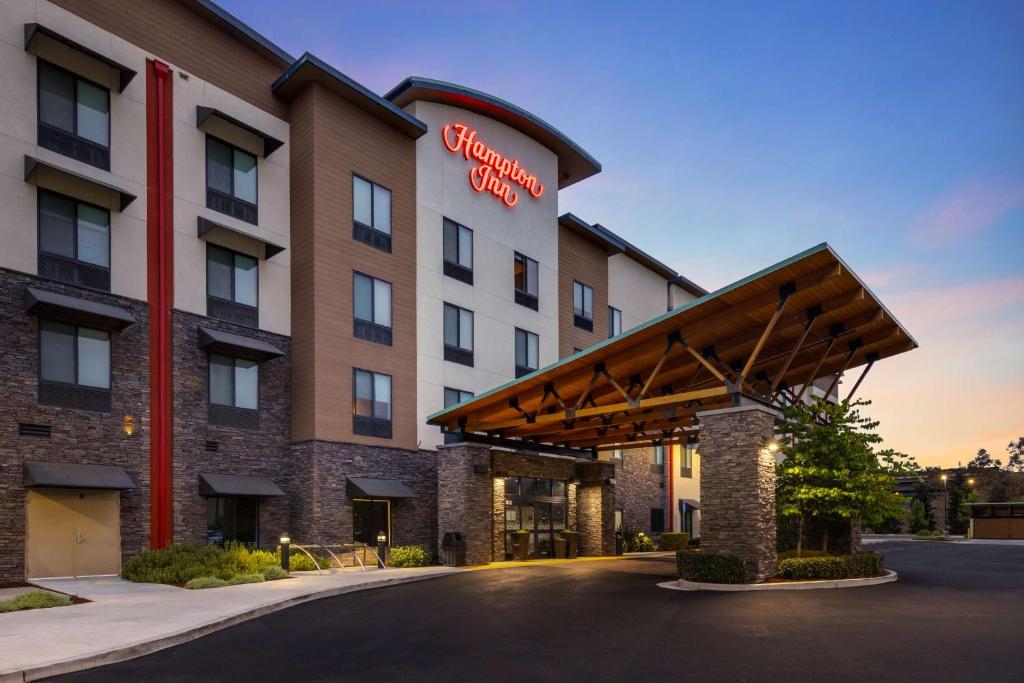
x: 264, y: 452
x: 595, y: 509
x: 638, y: 489
x: 321, y: 510
x: 465, y: 497
x: 737, y: 485
x: 78, y: 436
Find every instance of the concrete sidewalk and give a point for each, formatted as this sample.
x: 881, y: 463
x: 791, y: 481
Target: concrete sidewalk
x: 127, y: 620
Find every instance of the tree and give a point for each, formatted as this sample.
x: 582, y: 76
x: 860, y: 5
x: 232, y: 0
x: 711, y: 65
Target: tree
x: 960, y: 496
x: 1015, y: 449
x: 923, y: 495
x: 983, y: 460
x: 831, y: 471
x: 918, y: 518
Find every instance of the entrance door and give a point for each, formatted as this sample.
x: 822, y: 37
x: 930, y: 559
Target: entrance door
x: 369, y: 518
x: 536, y: 505
x: 72, y: 532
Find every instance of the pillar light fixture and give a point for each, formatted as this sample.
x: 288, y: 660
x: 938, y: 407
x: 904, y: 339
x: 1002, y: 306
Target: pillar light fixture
x: 773, y: 446
x: 285, y: 539
x: 382, y: 537
x: 128, y: 425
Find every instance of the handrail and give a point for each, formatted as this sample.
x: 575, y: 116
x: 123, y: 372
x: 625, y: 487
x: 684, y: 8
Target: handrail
x: 315, y: 563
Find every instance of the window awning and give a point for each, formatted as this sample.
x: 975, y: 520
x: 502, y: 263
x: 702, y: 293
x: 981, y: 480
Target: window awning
x: 232, y: 344
x: 50, y: 177
x: 40, y: 302
x: 361, y: 487
x: 76, y: 476
x: 270, y: 143
x: 35, y: 34
x: 690, y: 504
x: 208, y: 228
x: 238, y: 486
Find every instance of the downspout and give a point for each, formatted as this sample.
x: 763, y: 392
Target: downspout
x: 670, y: 473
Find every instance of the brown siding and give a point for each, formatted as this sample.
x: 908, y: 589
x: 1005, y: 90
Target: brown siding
x: 346, y: 140
x: 180, y: 35
x: 585, y: 262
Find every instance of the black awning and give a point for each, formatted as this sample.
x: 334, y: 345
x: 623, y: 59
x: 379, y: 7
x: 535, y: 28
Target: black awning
x: 48, y: 176
x: 73, y: 309
x: 206, y: 226
x: 75, y: 476
x: 238, y: 486
x: 33, y: 32
x: 229, y: 343
x: 360, y: 487
x: 691, y: 504
x: 270, y: 143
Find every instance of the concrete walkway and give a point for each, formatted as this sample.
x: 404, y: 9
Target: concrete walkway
x: 128, y: 620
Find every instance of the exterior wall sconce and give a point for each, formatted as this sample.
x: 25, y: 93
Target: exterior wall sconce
x: 128, y: 425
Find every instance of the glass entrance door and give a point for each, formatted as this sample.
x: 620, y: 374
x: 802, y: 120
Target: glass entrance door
x: 539, y: 506
x: 369, y: 518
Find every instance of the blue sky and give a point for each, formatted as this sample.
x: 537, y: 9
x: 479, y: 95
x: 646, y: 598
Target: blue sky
x: 733, y: 135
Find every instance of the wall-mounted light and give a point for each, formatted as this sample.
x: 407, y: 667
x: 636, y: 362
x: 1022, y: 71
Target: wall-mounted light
x: 773, y: 446
x: 128, y: 425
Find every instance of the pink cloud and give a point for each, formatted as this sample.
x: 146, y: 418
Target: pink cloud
x: 927, y: 308
x: 965, y: 210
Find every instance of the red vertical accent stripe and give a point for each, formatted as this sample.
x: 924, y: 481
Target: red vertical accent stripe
x: 160, y: 293
x: 671, y: 474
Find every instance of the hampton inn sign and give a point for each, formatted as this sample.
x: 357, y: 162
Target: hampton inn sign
x: 493, y: 172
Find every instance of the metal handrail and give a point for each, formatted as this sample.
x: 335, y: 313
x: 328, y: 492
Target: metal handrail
x: 343, y: 548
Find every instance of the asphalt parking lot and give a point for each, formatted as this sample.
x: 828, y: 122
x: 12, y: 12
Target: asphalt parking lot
x: 954, y: 615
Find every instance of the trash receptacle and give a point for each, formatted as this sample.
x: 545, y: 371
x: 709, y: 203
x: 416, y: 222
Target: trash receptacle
x: 453, y: 549
x: 620, y: 543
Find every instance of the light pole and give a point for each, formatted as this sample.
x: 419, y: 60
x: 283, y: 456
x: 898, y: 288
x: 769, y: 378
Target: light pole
x: 945, y: 507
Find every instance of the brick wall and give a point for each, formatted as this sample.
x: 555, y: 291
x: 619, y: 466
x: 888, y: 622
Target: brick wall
x: 465, y: 498
x: 638, y: 489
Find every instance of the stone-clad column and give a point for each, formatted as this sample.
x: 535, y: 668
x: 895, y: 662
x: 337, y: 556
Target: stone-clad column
x: 595, y: 509
x: 737, y: 485
x: 464, y: 497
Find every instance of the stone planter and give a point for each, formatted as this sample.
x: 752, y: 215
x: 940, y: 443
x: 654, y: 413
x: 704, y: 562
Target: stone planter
x: 521, y: 546
x: 572, y: 544
x: 561, y: 549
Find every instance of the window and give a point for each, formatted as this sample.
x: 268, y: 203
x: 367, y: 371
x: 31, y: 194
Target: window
x: 453, y: 397
x: 231, y: 185
x: 582, y: 306
x: 234, y: 391
x: 371, y: 306
x: 232, y: 520
x: 526, y: 281
x: 232, y: 286
x: 686, y: 513
x: 371, y: 214
x: 74, y: 366
x: 74, y: 241
x: 657, y: 520
x: 614, y: 322
x: 527, y: 344
x: 458, y: 335
x: 371, y: 404
x: 686, y: 462
x: 617, y: 454
x: 74, y: 116
x: 539, y: 506
x: 458, y: 251
x: 618, y: 520
x: 657, y: 459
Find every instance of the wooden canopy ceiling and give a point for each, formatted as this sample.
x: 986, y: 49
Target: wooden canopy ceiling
x: 767, y: 337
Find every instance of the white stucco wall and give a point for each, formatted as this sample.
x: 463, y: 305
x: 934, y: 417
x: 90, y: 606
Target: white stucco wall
x: 684, y: 488
x: 634, y: 289
x: 530, y: 227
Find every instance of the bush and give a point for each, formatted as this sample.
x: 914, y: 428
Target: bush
x: 924, y: 533
x: 636, y: 541
x: 790, y: 554
x: 673, y: 540
x: 182, y: 562
x: 274, y: 573
x: 695, y: 543
x: 245, y: 578
x: 299, y: 561
x: 34, y: 600
x: 205, y: 582
x: 408, y: 556
x: 705, y: 567
x: 937, y: 534
x: 831, y: 567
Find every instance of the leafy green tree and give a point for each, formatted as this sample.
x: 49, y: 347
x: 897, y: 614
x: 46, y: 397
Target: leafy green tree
x: 1015, y: 449
x: 983, y: 460
x: 960, y: 496
x: 831, y: 471
x: 918, y: 518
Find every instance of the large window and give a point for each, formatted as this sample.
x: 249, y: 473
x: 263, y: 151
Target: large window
x: 232, y: 286
x: 369, y: 518
x: 458, y: 335
x: 74, y: 116
x: 458, y: 251
x: 526, y: 281
x: 657, y: 459
x: 231, y: 184
x: 371, y: 403
x: 234, y: 391
x: 657, y: 520
x: 614, y: 322
x: 582, y: 306
x: 686, y: 462
x: 527, y: 352
x: 74, y: 241
x: 371, y: 307
x: 232, y: 520
x: 74, y: 366
x: 371, y: 213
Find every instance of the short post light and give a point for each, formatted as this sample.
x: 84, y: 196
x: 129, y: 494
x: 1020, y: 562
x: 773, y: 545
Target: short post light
x: 286, y: 543
x: 382, y: 540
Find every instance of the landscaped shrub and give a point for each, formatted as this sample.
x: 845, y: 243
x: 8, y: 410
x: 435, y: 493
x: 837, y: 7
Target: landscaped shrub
x: 636, y: 541
x: 790, y: 554
x: 925, y: 533
x: 937, y: 534
x: 695, y: 542
x: 274, y: 573
x: 299, y: 561
x: 831, y: 567
x: 34, y: 600
x: 673, y: 540
x: 205, y: 582
x: 705, y: 567
x: 408, y: 556
x: 245, y: 578
x: 178, y: 564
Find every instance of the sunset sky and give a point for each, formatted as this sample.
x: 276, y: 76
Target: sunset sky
x: 733, y: 135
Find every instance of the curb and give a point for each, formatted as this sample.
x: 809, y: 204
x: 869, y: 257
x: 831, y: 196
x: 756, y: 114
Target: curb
x: 126, y: 652
x: 681, y: 585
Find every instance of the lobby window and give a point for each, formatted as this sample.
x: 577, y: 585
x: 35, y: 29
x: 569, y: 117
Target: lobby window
x: 231, y: 183
x: 657, y: 459
x: 232, y: 520
x: 527, y: 351
x: 371, y: 403
x: 458, y: 251
x: 371, y: 307
x: 74, y: 116
x: 74, y: 241
x: 657, y: 520
x: 371, y: 213
x: 74, y: 366
x: 686, y: 462
x: 618, y: 520
x: 582, y: 306
x: 234, y: 391
x: 453, y: 397
x: 458, y: 335
x: 232, y: 286
x: 526, y: 281
x: 614, y: 322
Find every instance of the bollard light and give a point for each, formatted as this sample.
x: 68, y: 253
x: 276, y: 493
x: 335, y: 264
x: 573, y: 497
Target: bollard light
x: 382, y: 539
x: 286, y: 543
